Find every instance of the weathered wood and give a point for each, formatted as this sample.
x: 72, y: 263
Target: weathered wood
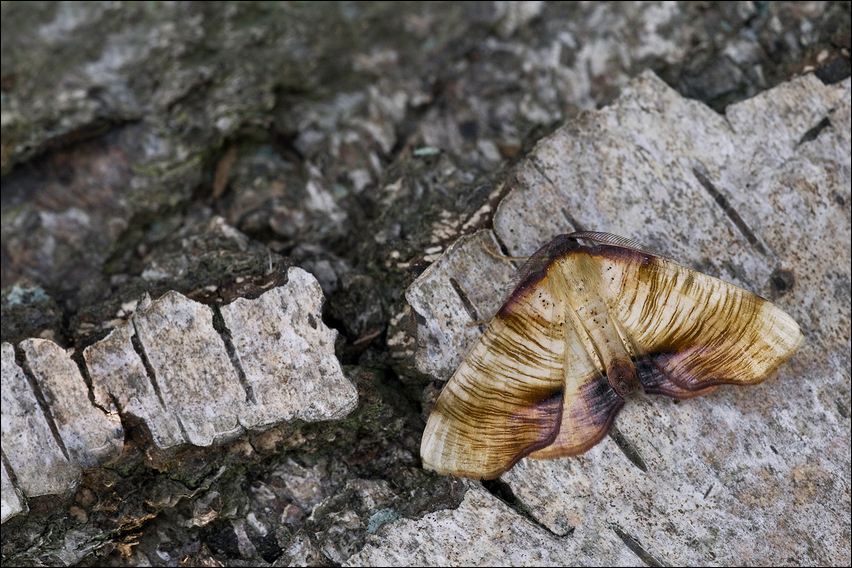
x: 288, y: 361
x: 179, y: 379
x: 190, y: 364
x: 87, y: 434
x: 120, y: 382
x: 758, y: 197
x: 31, y: 448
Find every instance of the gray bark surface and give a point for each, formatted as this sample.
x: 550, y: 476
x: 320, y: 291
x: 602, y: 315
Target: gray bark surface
x: 743, y: 473
x: 193, y: 153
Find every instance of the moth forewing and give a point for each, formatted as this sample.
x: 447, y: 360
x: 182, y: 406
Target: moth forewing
x: 505, y: 400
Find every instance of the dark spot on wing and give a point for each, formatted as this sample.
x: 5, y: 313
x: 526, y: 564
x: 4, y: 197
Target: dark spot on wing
x: 655, y: 380
x: 600, y: 398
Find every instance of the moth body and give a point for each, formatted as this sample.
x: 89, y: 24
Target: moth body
x: 575, y: 280
x: 584, y: 326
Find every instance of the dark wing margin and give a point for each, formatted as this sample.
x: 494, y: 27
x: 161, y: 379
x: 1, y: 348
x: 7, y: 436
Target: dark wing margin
x: 590, y: 404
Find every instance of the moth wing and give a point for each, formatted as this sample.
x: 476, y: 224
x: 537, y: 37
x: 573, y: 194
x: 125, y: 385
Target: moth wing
x: 590, y: 404
x: 505, y: 400
x: 689, y: 331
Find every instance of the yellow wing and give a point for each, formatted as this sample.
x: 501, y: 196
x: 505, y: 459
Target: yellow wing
x: 505, y: 399
x: 689, y: 331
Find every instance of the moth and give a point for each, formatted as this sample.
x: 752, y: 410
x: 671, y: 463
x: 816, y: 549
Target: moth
x: 584, y: 327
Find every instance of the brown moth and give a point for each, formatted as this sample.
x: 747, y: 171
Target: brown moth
x: 584, y: 325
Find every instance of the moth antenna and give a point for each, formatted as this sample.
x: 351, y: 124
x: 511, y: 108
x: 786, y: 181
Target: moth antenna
x: 503, y: 257
x: 619, y: 241
x: 485, y: 321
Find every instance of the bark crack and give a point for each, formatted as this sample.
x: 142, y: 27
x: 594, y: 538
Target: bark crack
x: 22, y: 361
x: 722, y: 201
